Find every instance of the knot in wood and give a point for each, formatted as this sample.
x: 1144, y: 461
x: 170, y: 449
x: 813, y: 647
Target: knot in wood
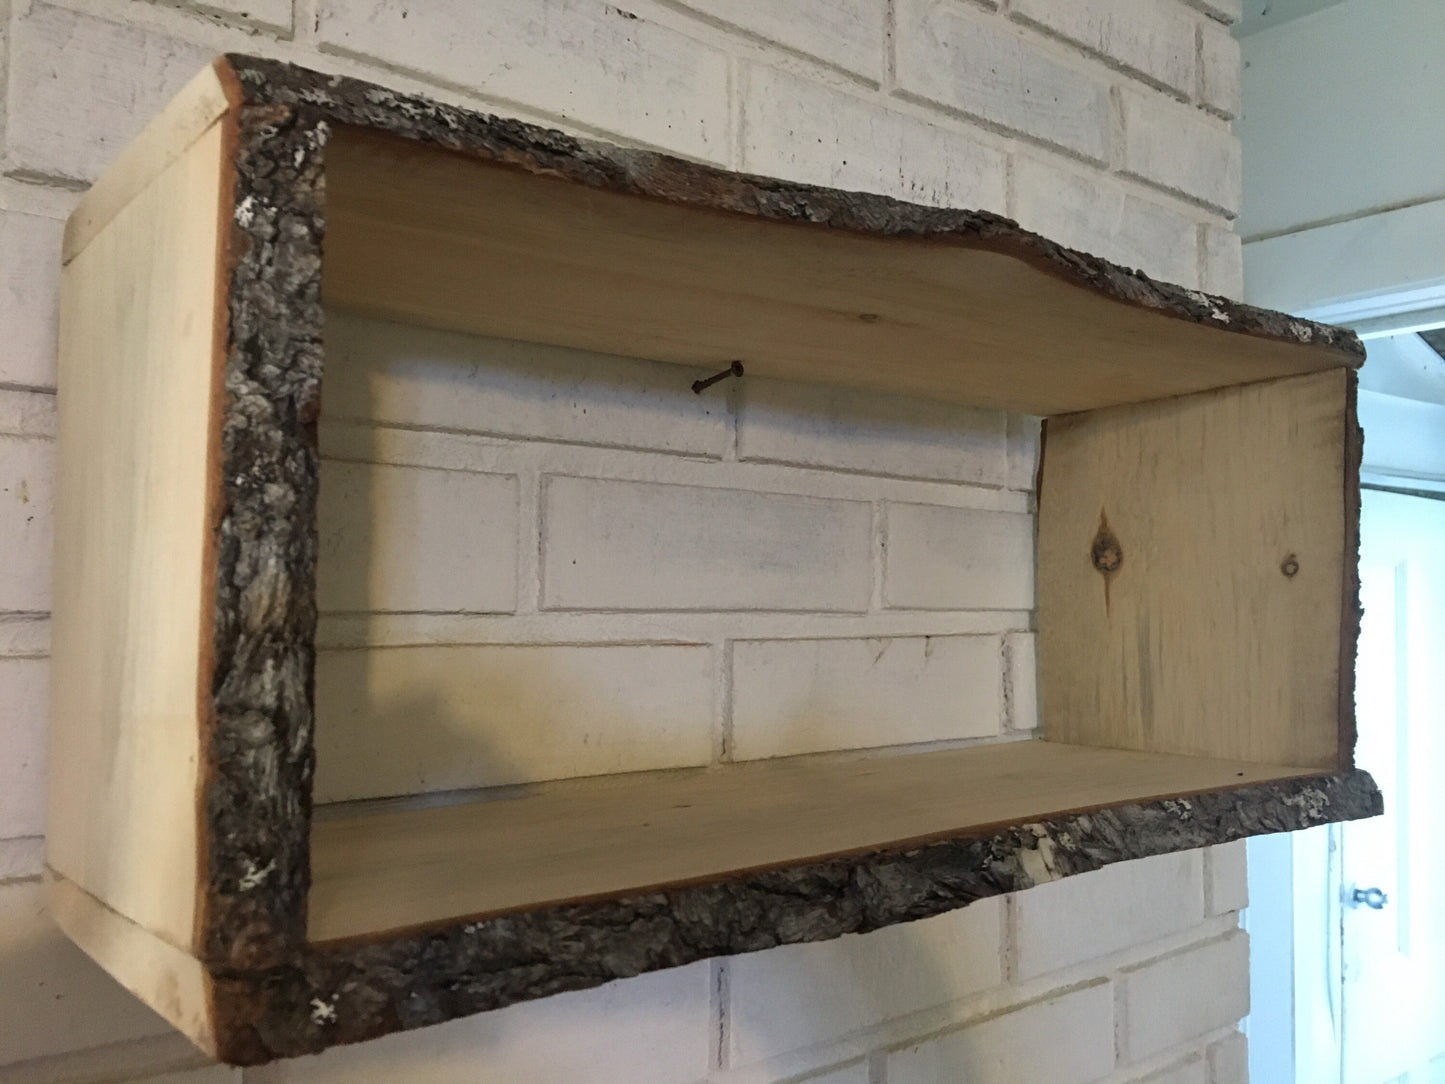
x: 1290, y: 566
x: 1106, y: 553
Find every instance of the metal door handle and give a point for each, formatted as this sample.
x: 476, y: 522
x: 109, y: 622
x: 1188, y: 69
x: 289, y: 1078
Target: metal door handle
x: 1373, y: 898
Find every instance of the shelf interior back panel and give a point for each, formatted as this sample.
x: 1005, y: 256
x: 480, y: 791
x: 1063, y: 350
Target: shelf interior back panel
x: 428, y: 236
x: 376, y: 870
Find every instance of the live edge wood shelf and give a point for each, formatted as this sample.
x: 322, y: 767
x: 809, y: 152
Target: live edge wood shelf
x: 1196, y: 562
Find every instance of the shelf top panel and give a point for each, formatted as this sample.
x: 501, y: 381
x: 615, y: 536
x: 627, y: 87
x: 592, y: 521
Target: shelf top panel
x: 376, y: 870
x: 449, y: 218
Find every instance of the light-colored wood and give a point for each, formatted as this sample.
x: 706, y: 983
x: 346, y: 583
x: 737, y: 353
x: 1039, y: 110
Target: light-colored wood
x: 169, y: 980
x: 185, y: 119
x: 1200, y: 642
x: 374, y: 871
x: 131, y: 613
x: 425, y: 236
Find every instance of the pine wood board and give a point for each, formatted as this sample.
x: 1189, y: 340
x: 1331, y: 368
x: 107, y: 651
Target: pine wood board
x: 168, y: 979
x: 1219, y: 634
x: 584, y: 839
x: 133, y: 505
x: 422, y: 235
x: 185, y: 119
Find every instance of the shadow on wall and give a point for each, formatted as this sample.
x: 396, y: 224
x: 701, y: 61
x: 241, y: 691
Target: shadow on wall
x: 436, y: 718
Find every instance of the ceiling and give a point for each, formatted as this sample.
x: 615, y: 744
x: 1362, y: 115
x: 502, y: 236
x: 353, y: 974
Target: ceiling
x: 1263, y: 14
x: 1407, y: 365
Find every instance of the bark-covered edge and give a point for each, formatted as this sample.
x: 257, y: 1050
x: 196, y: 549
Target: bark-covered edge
x: 345, y: 992
x: 646, y: 173
x: 1351, y: 611
x: 258, y: 748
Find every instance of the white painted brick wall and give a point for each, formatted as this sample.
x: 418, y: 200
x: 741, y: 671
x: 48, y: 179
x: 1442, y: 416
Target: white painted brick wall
x: 1155, y: 41
x: 702, y: 618
x: 958, y: 558
x: 845, y: 33
x: 410, y: 539
x: 802, y: 995
x: 968, y: 60
x: 798, y: 128
x: 1094, y: 212
x: 1093, y: 914
x: 633, y: 546
x: 804, y: 696
x: 1065, y: 1039
x: 434, y: 718
x: 1181, y: 148
x: 590, y: 63
x: 29, y: 299
x: 783, y: 422
x: 1184, y: 995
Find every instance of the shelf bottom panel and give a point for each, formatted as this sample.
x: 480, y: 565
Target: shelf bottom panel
x: 377, y: 870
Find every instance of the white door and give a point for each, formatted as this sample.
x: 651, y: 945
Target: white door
x: 1392, y: 913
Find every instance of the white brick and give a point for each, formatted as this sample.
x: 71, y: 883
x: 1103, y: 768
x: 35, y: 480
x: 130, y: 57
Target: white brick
x: 27, y: 472
x: 1068, y: 1039
x: 29, y: 298
x: 22, y: 857
x: 406, y: 539
x: 792, y: 997
x: 1226, y: 883
x: 1185, y: 995
x: 1023, y: 451
x: 583, y: 60
x: 1229, y: 1060
x: 269, y: 13
x: 958, y: 558
x: 1219, y: 69
x: 970, y: 61
x: 409, y: 719
x: 805, y: 131
x: 844, y: 33
x: 654, y: 1028
x: 638, y: 546
x: 24, y: 709
x: 1021, y: 681
x: 1191, y: 1070
x: 408, y: 376
x: 1095, y: 914
x: 1154, y: 39
x: 1226, y: 11
x: 81, y: 87
x: 1181, y: 148
x: 856, y: 1073
x: 816, y: 426
x: 24, y: 635
x: 1223, y: 262
x: 803, y: 696
x: 52, y: 998
x: 1093, y: 212
x: 27, y: 413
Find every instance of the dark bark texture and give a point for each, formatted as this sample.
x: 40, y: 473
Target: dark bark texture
x: 660, y: 176
x: 275, y: 995
x: 259, y: 752
x: 345, y: 992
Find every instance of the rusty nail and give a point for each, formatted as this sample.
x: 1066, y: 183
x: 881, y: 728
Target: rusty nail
x: 735, y: 369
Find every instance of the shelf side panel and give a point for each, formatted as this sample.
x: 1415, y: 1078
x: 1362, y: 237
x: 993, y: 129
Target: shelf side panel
x: 138, y: 349
x: 1193, y: 554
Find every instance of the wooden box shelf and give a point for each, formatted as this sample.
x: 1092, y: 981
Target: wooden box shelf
x: 1196, y: 563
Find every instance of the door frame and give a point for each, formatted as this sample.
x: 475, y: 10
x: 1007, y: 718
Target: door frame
x: 1295, y: 882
